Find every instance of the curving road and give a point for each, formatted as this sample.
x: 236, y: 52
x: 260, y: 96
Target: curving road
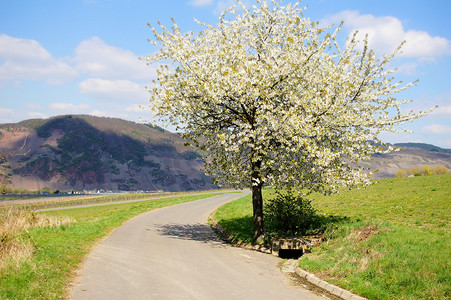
x: 171, y: 253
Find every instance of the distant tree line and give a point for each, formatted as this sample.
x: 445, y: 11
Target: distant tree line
x: 423, y: 171
x: 5, y: 189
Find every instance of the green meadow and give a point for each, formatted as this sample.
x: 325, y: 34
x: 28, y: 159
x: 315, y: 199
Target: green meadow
x: 391, y: 240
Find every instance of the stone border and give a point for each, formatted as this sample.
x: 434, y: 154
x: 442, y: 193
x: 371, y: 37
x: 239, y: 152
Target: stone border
x: 289, y: 267
x: 324, y: 285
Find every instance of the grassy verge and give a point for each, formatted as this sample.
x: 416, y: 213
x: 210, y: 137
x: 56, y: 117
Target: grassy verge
x: 394, y: 240
x: 236, y: 218
x: 58, y: 251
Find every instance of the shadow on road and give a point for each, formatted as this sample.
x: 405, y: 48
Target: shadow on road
x: 192, y: 232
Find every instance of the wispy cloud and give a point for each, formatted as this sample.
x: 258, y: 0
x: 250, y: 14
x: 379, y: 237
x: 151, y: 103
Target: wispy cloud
x: 61, y: 107
x: 122, y: 90
x: 4, y: 111
x: 200, y: 2
x: 5, y: 114
x: 134, y: 108
x: 437, y: 129
x: 443, y: 110
x: 10, y: 115
x: 37, y: 115
x: 32, y: 106
x: 222, y: 5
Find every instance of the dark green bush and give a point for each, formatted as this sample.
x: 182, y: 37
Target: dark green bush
x: 289, y: 214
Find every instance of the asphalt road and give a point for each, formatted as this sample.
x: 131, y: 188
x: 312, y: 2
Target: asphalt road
x: 171, y: 253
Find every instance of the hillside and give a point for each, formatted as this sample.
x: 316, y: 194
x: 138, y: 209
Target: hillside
x: 411, y: 155
x: 84, y: 153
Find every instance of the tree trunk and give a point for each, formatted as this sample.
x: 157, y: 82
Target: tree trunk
x: 257, y: 202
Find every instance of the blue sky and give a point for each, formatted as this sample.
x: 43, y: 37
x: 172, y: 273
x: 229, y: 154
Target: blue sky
x: 81, y: 56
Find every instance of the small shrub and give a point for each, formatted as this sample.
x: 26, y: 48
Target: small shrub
x: 401, y: 174
x: 289, y: 214
x: 439, y: 170
x: 427, y: 170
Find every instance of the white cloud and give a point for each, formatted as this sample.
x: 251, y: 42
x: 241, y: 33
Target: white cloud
x: 437, y: 129
x: 22, y: 59
x: 8, y: 115
x: 27, y: 59
x: 135, y: 108
x: 443, y: 101
x: 117, y: 111
x: 420, y: 44
x: 408, y: 68
x: 123, y: 90
x: 36, y: 115
x: 5, y: 114
x: 101, y: 113
x: 200, y: 2
x: 446, y: 144
x: 442, y: 110
x: 96, y: 58
x: 35, y: 106
x: 18, y: 114
x: 385, y: 34
x: 4, y: 111
x: 223, y: 5
x: 22, y: 50
x: 69, y: 108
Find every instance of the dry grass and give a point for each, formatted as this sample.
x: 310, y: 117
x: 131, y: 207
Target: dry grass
x: 16, y: 245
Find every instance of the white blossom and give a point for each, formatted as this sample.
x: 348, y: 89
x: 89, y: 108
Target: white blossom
x: 274, y: 100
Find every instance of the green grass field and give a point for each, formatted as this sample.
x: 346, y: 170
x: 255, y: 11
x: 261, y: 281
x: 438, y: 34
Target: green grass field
x: 393, y: 240
x: 59, y: 251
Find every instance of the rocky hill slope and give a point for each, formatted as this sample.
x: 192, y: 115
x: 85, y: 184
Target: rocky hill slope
x: 82, y: 152
x: 85, y: 153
